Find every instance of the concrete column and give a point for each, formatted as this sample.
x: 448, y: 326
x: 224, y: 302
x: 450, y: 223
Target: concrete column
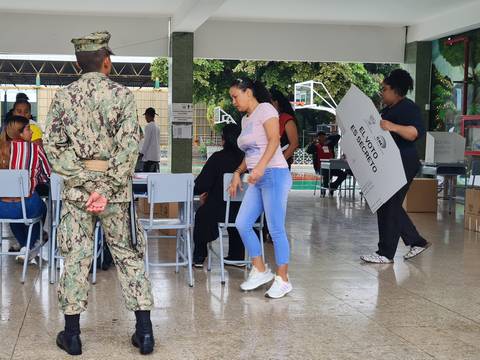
x: 180, y: 89
x: 418, y: 61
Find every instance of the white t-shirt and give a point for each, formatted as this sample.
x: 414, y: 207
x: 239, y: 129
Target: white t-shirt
x: 151, y: 143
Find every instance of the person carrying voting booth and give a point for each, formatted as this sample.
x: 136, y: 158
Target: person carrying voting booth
x: 92, y: 136
x: 401, y: 117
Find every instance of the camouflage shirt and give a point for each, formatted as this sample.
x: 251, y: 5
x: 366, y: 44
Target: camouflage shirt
x: 93, y: 118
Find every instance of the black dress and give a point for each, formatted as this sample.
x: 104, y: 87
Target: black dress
x: 393, y: 221
x: 207, y: 216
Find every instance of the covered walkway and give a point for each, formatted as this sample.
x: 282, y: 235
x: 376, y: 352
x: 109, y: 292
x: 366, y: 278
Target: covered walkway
x: 426, y: 308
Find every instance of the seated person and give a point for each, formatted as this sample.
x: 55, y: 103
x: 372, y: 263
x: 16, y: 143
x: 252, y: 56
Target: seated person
x: 23, y: 108
x: 18, y: 153
x: 322, y: 148
x: 209, y: 184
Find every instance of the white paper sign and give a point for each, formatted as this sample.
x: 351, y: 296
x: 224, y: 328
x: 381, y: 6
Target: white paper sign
x: 182, y: 131
x: 182, y: 112
x: 371, y: 152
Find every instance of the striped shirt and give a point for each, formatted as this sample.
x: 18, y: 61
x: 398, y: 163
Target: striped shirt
x: 29, y: 156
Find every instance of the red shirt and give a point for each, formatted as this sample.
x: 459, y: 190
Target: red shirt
x: 29, y: 156
x: 284, y: 118
x: 323, y: 152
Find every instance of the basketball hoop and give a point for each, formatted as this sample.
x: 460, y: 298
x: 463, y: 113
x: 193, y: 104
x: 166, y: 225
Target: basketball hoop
x: 314, y: 95
x: 222, y: 117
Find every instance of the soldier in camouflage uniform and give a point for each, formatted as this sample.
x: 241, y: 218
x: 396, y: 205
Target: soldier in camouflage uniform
x: 92, y: 137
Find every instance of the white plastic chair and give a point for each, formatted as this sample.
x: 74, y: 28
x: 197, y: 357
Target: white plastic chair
x: 56, y: 188
x: 223, y: 226
x: 171, y: 188
x: 16, y: 183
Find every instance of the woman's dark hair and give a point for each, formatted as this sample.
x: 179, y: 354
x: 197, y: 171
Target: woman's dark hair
x: 400, y: 81
x: 230, y: 134
x: 283, y: 103
x: 22, y: 101
x: 12, y: 129
x: 259, y: 90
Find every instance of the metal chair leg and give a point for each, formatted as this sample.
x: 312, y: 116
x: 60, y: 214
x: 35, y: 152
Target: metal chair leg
x: 209, y: 256
x: 146, y: 251
x: 222, y: 264
x: 27, y: 253
x: 189, y: 257
x: 40, y: 239
x: 177, y: 249
x: 95, y: 254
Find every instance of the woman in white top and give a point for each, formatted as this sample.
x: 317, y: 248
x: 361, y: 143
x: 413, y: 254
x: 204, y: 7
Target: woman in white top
x: 269, y: 180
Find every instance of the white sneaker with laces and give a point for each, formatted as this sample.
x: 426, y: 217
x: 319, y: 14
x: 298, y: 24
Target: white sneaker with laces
x: 279, y: 288
x: 376, y: 259
x: 416, y: 250
x: 256, y: 279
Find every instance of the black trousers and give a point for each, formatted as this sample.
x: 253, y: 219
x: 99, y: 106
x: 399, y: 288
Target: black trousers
x: 150, y: 166
x: 393, y: 220
x: 340, y: 174
x: 206, y: 230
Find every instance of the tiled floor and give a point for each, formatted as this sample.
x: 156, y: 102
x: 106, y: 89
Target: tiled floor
x: 427, y: 308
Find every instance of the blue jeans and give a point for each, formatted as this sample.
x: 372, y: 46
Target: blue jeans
x: 269, y: 194
x: 34, y: 207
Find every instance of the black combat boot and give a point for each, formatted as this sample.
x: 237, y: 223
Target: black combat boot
x: 143, y: 336
x: 69, y: 339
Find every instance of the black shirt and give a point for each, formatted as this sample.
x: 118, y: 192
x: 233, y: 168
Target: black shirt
x: 210, y: 179
x: 405, y: 113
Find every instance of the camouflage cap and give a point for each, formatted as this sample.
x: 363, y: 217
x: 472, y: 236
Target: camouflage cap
x: 93, y: 42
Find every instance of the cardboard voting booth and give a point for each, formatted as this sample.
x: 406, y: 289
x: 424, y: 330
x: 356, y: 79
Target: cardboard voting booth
x: 421, y: 196
x: 472, y: 209
x: 371, y: 152
x: 444, y: 148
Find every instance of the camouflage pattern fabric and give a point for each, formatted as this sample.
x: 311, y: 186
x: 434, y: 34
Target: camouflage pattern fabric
x: 76, y: 239
x: 95, y: 118
x: 93, y: 42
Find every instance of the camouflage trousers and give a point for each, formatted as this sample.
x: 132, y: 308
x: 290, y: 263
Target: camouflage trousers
x: 76, y: 240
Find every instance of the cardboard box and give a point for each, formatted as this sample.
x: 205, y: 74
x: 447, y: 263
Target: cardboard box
x: 472, y: 222
x: 422, y: 196
x: 444, y: 147
x: 160, y: 211
x: 472, y: 201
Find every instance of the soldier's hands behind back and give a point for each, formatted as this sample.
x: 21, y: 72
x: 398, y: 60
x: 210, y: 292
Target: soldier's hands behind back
x: 96, y: 203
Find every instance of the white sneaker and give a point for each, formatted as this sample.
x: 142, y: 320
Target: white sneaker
x: 415, y: 250
x: 31, y: 256
x: 376, y: 259
x: 279, y: 288
x: 21, y: 258
x: 256, y: 279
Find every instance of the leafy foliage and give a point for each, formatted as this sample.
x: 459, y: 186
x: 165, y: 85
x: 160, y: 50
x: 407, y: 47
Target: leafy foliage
x: 442, y: 99
x: 212, y: 79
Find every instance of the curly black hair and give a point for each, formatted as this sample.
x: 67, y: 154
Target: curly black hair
x: 400, y: 81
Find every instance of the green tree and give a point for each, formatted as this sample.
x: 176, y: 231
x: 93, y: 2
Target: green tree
x: 159, y: 70
x: 212, y: 79
x: 442, y: 100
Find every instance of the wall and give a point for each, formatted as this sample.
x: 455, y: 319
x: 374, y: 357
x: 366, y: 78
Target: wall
x: 40, y: 34
x: 299, y: 42
x: 156, y: 98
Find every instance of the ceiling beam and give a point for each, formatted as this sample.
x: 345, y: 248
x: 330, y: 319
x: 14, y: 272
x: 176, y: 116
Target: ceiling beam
x: 191, y: 14
x: 458, y: 20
